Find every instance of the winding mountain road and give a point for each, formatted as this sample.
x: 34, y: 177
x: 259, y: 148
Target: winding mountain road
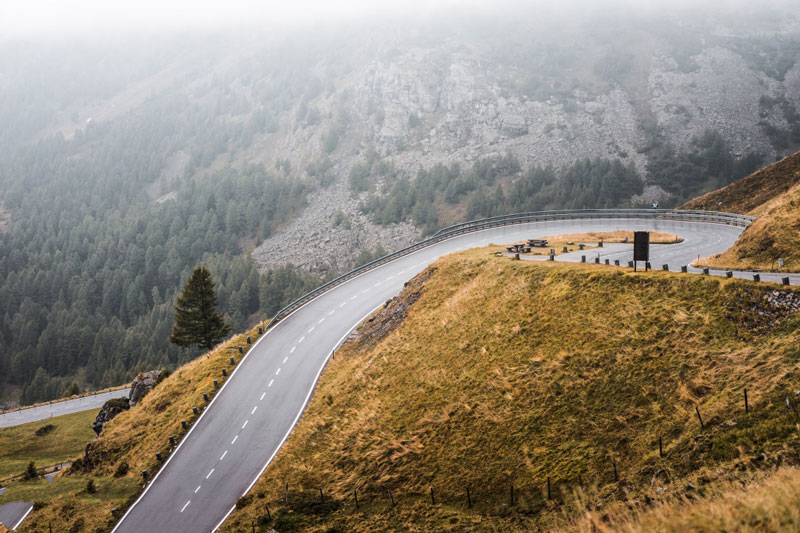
x: 245, y: 425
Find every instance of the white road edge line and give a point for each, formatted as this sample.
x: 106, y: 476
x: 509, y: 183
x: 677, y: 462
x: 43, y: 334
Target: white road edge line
x: 225, y: 384
x: 230, y: 380
x: 185, y: 505
x: 299, y: 414
x: 21, y: 520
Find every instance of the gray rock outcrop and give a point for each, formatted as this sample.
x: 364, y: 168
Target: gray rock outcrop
x: 109, y: 410
x: 142, y: 384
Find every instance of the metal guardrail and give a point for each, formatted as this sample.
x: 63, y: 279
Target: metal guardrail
x: 716, y: 217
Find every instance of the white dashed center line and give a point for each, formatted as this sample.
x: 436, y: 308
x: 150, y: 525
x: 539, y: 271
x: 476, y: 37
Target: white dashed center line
x: 301, y: 339
x: 209, y: 474
x: 245, y: 423
x: 254, y: 409
x: 331, y: 312
x: 197, y: 489
x: 185, y: 505
x: 234, y: 439
x: 277, y: 371
x: 285, y: 359
x: 342, y: 304
x: 223, y: 455
x: 292, y: 350
x: 262, y: 396
x: 312, y: 329
x: 321, y: 320
x: 354, y: 297
x: 270, y: 383
x: 378, y: 284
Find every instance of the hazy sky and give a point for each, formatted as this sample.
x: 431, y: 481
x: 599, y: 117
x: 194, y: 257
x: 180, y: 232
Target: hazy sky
x: 87, y: 17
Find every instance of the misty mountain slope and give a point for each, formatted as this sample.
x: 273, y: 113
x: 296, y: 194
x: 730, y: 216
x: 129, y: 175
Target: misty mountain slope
x: 125, y: 162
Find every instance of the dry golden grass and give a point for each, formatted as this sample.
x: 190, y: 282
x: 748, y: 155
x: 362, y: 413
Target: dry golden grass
x: 775, y: 233
x: 747, y: 194
x: 613, y: 236
x: 512, y: 372
x: 772, y: 195
x: 133, y: 437
x: 767, y: 503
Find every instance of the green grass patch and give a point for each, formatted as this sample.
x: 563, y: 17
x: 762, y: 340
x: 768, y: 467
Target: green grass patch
x: 65, y: 440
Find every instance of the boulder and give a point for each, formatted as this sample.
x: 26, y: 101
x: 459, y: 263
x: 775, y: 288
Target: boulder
x: 109, y: 410
x: 142, y: 384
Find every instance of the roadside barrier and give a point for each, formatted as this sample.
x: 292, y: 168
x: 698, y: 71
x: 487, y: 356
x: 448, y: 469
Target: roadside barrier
x: 714, y: 217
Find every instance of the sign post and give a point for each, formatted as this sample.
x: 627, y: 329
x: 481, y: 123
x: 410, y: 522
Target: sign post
x: 641, y: 248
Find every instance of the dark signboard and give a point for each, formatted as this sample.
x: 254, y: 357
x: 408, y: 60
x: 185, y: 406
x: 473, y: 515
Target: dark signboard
x: 641, y: 246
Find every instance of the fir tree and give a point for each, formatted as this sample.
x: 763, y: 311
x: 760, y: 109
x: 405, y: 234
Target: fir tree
x: 197, y: 322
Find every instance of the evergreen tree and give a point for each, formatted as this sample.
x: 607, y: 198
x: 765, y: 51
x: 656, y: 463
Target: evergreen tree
x: 197, y: 322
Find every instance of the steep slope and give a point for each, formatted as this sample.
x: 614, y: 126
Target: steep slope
x: 749, y: 193
x: 495, y: 373
x: 772, y: 195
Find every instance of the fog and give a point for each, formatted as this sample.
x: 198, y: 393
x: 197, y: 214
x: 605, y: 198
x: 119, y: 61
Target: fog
x: 57, y: 18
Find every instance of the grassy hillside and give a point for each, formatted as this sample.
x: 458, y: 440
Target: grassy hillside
x: 772, y: 195
x: 747, y: 194
x: 509, y: 373
x: 126, y: 447
x: 45, y: 442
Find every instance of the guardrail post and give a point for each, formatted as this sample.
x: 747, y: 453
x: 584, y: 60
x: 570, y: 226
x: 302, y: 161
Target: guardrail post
x: 616, y: 262
x: 728, y: 274
x: 260, y: 330
x: 597, y: 260
x: 216, y: 384
x: 756, y: 277
x: 684, y: 269
x: 248, y: 340
x: 608, y: 261
x: 172, y: 441
x: 785, y: 280
x: 205, y: 396
x: 583, y: 259
x: 184, y: 425
x: 195, y: 410
x: 630, y: 264
x: 705, y: 271
x: 665, y: 268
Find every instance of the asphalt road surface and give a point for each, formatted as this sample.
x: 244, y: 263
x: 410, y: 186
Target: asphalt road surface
x: 12, y: 514
x: 66, y: 407
x: 245, y: 425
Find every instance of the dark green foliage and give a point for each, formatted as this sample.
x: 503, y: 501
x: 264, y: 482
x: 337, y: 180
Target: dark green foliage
x: 44, y: 430
x: 30, y: 472
x: 708, y: 164
x: 197, y: 322
x: 495, y: 186
x: 121, y: 470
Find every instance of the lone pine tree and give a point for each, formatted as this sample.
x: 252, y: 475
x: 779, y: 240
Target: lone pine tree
x: 197, y: 322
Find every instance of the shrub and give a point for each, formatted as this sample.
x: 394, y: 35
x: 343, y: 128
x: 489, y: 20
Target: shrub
x: 121, y: 470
